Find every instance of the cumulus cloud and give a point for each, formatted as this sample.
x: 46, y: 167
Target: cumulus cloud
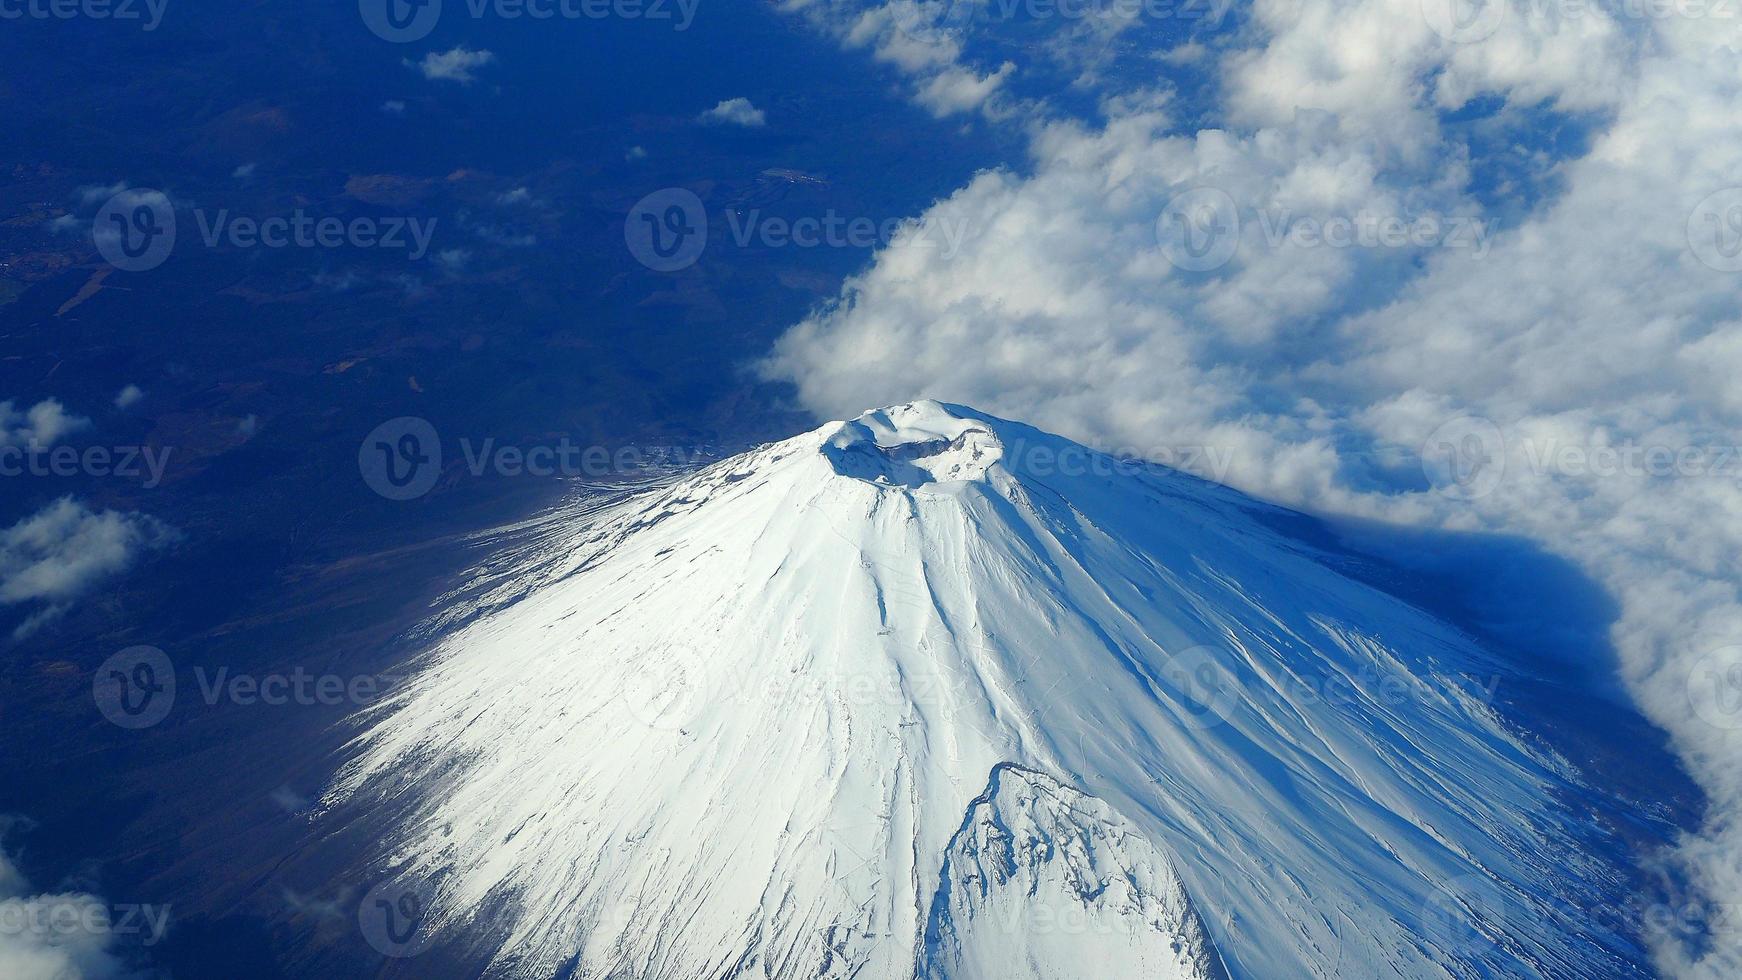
x: 458, y: 64
x: 67, y: 935
x: 959, y: 90
x: 736, y: 112
x: 1329, y: 359
x: 46, y: 423
x: 129, y: 396
x: 60, y: 553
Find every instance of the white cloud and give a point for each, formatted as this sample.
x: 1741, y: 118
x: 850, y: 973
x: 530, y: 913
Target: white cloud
x: 1591, y: 321
x: 129, y: 396
x: 56, y: 936
x: 46, y: 423
x: 736, y: 112
x: 454, y: 65
x: 393, y: 107
x: 60, y: 553
x: 959, y: 90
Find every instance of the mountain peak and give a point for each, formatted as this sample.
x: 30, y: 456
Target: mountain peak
x: 913, y: 445
x: 745, y: 724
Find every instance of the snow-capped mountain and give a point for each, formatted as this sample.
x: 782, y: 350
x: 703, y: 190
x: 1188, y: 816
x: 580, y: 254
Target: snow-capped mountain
x: 933, y: 694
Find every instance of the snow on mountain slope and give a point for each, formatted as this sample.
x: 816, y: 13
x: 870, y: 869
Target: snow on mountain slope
x: 742, y: 725
x: 1042, y: 881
